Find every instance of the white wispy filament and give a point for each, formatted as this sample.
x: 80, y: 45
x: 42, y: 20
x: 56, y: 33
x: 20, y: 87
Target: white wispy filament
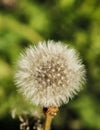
x: 50, y: 73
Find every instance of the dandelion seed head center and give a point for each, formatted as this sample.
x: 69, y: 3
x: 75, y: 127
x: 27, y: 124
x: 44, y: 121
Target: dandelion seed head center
x: 50, y: 73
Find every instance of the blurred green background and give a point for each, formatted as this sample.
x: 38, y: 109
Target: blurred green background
x: 76, y: 22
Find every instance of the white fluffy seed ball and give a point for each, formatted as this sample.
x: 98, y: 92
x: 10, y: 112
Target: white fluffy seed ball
x: 49, y: 74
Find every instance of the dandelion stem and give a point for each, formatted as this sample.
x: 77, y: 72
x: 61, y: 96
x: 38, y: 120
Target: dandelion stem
x: 48, y: 122
x: 50, y: 113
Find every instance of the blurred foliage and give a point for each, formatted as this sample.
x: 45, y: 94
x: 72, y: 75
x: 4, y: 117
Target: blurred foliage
x: 76, y: 22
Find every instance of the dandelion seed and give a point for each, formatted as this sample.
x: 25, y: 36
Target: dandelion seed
x: 50, y: 74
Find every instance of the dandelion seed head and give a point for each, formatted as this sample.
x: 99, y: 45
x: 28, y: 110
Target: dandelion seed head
x: 50, y: 73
